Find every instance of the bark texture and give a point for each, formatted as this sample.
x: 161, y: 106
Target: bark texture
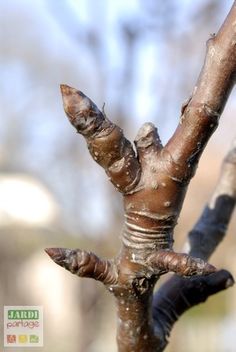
x: 153, y: 180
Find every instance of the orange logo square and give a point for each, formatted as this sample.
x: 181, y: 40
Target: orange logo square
x: 11, y: 338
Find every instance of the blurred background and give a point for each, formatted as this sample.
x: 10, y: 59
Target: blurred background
x: 141, y: 58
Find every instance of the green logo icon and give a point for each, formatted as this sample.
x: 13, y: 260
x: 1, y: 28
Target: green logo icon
x: 23, y: 314
x: 34, y: 339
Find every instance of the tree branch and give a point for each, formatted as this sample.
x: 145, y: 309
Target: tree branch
x: 84, y: 264
x: 106, y: 142
x: 154, y: 184
x: 180, y: 263
x: 200, y: 116
x: 209, y: 231
x: 178, y: 295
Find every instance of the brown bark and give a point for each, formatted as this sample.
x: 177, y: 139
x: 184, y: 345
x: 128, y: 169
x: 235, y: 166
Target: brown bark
x: 153, y: 181
x: 178, y: 295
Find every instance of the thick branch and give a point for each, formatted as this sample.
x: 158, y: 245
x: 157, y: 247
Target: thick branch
x: 200, y: 116
x: 178, y: 294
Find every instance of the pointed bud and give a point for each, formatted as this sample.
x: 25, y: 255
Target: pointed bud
x: 83, y: 114
x: 61, y: 256
x: 180, y: 263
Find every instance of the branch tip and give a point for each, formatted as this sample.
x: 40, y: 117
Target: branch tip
x: 64, y: 89
x: 67, y: 90
x: 81, y: 111
x: 52, y: 252
x: 59, y: 255
x: 83, y: 264
x: 229, y: 282
x: 147, y: 138
x: 144, y: 130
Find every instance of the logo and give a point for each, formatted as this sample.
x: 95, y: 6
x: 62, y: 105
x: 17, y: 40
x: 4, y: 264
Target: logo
x: 23, y: 326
